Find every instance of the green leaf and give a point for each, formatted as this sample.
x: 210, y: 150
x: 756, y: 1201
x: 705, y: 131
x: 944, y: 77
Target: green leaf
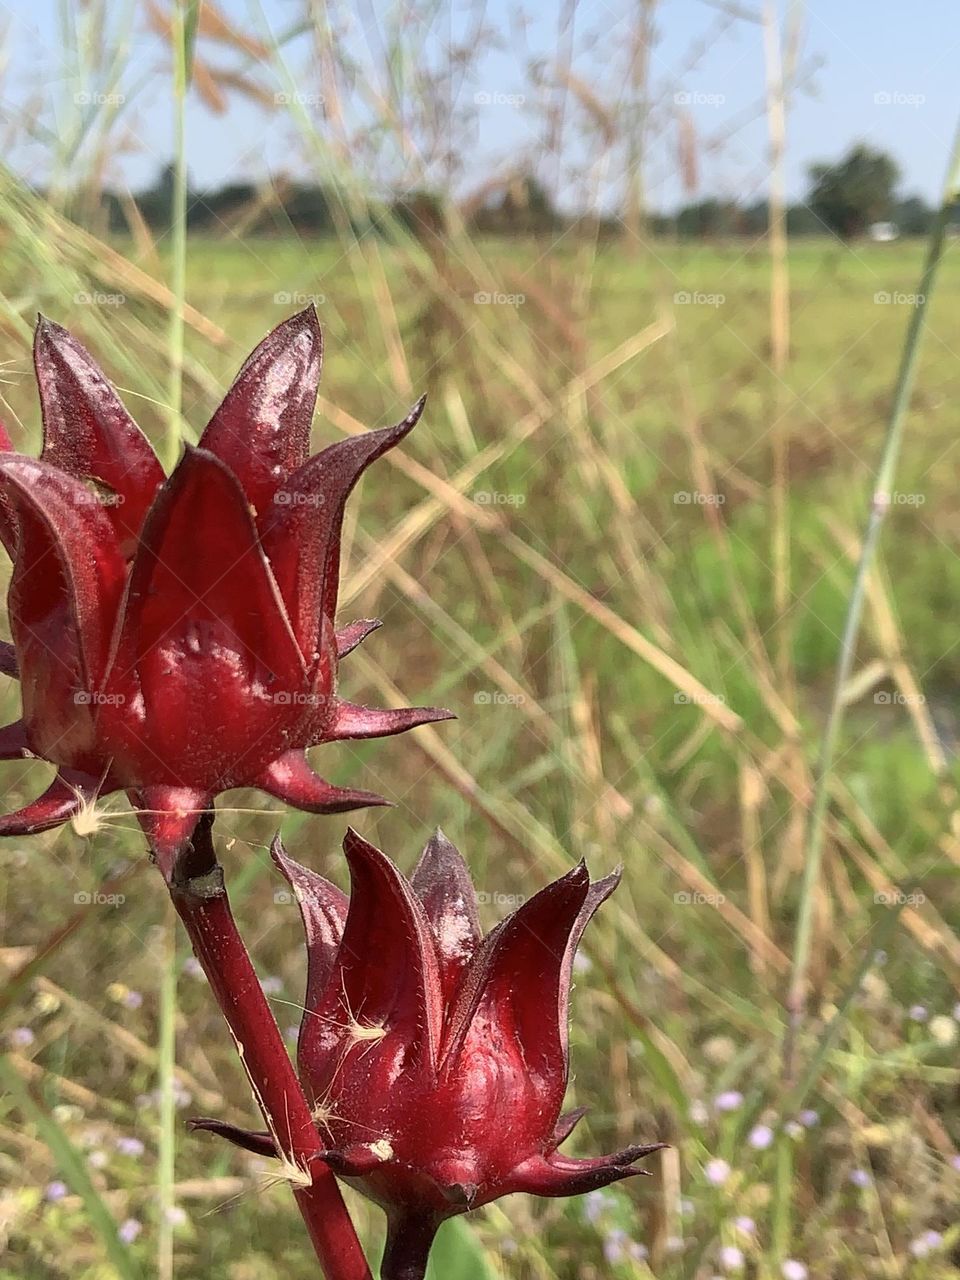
x: 458, y: 1255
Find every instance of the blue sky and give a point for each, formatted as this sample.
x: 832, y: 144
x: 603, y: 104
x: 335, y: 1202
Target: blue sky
x: 884, y: 72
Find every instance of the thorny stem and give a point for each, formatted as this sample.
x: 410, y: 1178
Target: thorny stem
x: 201, y: 901
x: 886, y: 473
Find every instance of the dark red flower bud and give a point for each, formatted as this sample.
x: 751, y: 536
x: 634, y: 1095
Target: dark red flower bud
x: 436, y: 1060
x: 175, y: 637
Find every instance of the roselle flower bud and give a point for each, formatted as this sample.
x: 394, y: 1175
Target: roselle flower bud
x: 174, y: 636
x: 436, y: 1060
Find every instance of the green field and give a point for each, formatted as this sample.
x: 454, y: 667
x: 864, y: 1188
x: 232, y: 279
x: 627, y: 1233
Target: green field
x: 620, y: 548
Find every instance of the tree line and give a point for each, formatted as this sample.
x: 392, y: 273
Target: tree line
x: 844, y: 198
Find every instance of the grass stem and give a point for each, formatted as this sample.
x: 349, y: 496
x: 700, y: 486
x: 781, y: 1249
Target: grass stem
x: 178, y: 232
x: 886, y: 473
x: 167, y: 1146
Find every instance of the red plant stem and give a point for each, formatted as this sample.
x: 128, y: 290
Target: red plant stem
x: 201, y: 902
x: 408, y: 1247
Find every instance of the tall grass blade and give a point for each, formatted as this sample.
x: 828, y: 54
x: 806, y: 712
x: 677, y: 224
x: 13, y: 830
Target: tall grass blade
x: 886, y: 473
x: 167, y: 1145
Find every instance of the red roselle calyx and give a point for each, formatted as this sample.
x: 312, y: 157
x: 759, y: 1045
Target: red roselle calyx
x: 436, y: 1060
x: 174, y: 636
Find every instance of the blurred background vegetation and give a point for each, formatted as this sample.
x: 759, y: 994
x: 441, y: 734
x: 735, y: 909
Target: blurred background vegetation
x: 620, y: 546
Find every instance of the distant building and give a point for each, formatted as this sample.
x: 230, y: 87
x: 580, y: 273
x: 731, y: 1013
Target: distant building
x: 883, y: 231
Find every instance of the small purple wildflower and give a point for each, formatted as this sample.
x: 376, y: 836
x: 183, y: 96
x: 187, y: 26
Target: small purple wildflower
x: 717, y: 1172
x: 55, y: 1191
x: 860, y: 1178
x: 918, y: 1013
x: 618, y: 1247
x: 746, y: 1225
x: 926, y: 1243
x: 129, y: 1230
x: 594, y: 1204
x: 613, y: 1246
x: 793, y: 1270
x: 21, y: 1038
x: 729, y: 1100
x: 731, y: 1258
x: 130, y: 1146
x: 761, y: 1136
x: 808, y: 1118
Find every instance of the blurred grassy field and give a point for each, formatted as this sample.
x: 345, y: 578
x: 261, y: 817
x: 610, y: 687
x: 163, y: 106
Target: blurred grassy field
x: 576, y: 551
